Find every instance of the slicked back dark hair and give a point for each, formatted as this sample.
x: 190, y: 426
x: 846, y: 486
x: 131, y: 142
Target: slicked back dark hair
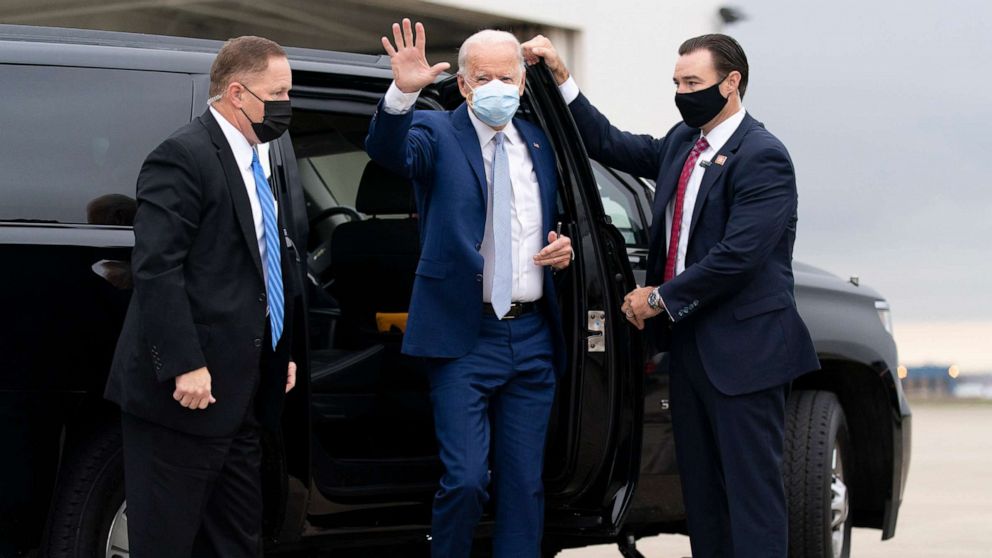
x: 727, y: 55
x: 239, y: 58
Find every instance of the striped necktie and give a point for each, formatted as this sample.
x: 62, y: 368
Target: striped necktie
x: 273, y: 255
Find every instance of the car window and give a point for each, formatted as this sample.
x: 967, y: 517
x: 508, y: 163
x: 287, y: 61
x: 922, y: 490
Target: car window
x: 75, y: 139
x: 620, y: 203
x: 330, y: 152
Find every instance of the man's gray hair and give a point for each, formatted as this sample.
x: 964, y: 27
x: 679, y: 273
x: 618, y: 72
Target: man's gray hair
x: 487, y: 37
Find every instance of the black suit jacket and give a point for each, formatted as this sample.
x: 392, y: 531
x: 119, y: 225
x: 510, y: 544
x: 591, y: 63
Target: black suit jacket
x: 737, y: 290
x: 199, y: 293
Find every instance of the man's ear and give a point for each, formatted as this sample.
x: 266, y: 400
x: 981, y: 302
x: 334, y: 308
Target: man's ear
x: 463, y: 87
x: 234, y: 92
x: 523, y: 82
x: 733, y: 82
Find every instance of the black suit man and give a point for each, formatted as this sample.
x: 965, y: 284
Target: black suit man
x: 203, y: 361
x: 720, y: 276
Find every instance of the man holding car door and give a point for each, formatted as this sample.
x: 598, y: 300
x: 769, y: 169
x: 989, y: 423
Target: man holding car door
x: 720, y: 289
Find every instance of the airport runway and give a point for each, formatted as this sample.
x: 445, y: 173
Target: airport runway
x: 947, y: 506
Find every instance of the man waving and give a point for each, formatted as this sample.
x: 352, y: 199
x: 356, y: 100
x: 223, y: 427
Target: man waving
x: 483, y: 310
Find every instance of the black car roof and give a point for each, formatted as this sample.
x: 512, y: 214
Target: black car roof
x: 53, y: 45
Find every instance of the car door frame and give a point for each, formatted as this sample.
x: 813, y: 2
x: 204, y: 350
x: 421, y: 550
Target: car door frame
x: 601, y: 477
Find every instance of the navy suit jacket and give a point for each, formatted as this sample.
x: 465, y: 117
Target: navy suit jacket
x: 440, y: 152
x: 737, y: 290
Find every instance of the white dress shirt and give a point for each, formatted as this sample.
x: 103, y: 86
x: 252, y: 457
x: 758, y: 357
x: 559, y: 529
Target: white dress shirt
x: 717, y: 138
x: 527, y: 237
x: 242, y: 156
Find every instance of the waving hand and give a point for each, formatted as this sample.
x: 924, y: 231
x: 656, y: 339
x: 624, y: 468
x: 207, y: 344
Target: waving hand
x: 411, y: 70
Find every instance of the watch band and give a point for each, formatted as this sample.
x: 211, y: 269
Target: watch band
x: 656, y: 303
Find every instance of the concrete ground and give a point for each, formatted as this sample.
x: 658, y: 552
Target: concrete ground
x: 947, y: 506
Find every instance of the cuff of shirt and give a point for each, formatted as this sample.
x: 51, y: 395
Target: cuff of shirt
x: 398, y: 102
x: 569, y: 90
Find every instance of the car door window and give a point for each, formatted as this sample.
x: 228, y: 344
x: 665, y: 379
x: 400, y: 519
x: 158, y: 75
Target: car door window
x: 621, y: 204
x: 77, y: 139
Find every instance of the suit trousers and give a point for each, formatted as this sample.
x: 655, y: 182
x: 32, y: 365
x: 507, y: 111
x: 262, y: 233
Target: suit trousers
x: 729, y: 452
x: 499, y: 396
x: 189, y: 495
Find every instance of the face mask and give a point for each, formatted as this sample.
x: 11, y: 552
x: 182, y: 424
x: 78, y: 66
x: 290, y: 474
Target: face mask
x: 496, y: 102
x: 275, y: 119
x: 700, y: 107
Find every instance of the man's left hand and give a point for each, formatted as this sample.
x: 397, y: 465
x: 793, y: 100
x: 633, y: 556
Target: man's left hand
x: 558, y: 252
x: 635, y: 306
x: 290, y: 376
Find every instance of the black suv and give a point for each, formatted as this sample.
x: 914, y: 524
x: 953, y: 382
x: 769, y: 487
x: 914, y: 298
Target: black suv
x: 356, y: 467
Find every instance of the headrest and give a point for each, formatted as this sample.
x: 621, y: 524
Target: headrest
x: 381, y: 192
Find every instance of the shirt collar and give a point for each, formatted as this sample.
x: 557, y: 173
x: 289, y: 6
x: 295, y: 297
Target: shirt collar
x: 239, y: 144
x: 718, y: 136
x: 486, y: 133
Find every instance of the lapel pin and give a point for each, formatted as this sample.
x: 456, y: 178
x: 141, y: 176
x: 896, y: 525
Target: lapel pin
x: 720, y: 159
x: 537, y: 145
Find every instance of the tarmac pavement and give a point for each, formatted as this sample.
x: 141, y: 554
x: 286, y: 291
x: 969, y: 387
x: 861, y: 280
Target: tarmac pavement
x: 947, y: 506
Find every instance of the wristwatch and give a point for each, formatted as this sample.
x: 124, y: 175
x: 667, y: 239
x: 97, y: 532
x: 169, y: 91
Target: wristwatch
x: 654, y: 301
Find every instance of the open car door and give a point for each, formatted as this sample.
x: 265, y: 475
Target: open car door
x: 594, y: 445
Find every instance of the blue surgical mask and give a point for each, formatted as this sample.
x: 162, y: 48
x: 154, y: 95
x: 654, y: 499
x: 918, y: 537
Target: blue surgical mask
x: 496, y: 102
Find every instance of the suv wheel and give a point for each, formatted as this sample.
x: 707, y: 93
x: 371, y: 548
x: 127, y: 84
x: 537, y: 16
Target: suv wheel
x: 89, y: 516
x: 817, y: 454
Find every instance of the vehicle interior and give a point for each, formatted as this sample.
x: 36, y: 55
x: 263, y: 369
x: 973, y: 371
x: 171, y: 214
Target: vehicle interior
x: 371, y: 417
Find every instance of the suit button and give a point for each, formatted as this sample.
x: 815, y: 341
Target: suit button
x: 478, y: 246
x: 257, y: 342
x: 478, y: 277
x: 261, y: 297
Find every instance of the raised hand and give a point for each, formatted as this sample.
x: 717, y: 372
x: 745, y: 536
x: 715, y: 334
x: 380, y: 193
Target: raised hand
x: 411, y: 71
x: 540, y: 47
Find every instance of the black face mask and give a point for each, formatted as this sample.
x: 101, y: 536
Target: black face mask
x: 699, y: 107
x: 275, y: 119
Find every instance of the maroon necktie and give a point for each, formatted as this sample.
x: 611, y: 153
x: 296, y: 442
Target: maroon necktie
x: 673, y: 239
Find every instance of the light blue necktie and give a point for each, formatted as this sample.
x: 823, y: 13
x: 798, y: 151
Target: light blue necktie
x: 273, y: 268
x: 503, y: 264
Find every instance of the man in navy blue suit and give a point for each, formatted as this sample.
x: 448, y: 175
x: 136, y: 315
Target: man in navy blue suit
x: 720, y: 290
x: 483, y: 311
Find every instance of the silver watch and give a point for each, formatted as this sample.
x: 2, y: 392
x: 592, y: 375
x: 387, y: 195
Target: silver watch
x: 654, y: 300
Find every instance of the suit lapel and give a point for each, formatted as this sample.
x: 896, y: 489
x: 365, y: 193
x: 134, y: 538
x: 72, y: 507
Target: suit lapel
x: 236, y: 186
x: 714, y: 171
x: 468, y: 139
x: 545, y: 171
x: 666, y: 187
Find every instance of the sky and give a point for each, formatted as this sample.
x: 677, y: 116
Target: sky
x: 885, y: 108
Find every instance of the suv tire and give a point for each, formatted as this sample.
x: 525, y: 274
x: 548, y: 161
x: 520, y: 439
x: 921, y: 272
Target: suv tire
x: 90, y: 493
x: 817, y: 454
